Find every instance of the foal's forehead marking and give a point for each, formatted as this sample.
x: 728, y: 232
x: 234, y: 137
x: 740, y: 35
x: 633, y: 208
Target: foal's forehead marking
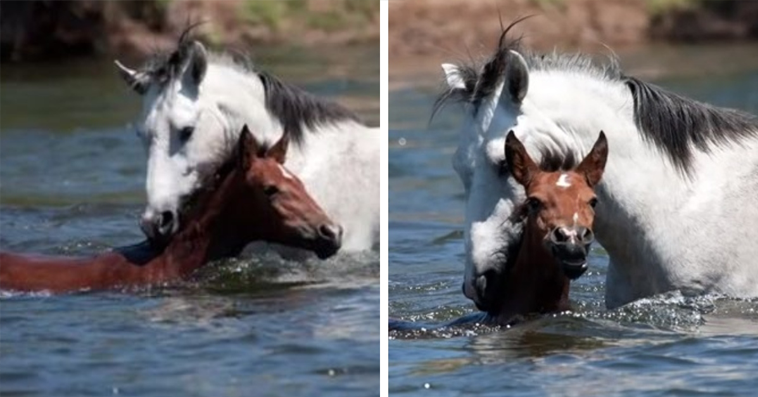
x: 286, y: 173
x: 563, y: 181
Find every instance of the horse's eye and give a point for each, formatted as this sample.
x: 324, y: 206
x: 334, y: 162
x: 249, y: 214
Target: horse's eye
x: 502, y: 168
x: 186, y: 133
x: 593, y: 202
x: 270, y: 190
x: 533, y: 203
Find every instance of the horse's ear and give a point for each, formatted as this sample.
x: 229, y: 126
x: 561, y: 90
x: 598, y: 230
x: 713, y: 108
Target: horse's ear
x: 593, y: 165
x: 247, y: 149
x: 279, y: 150
x: 521, y: 166
x: 137, y: 81
x: 516, y: 77
x: 197, y: 64
x: 453, y: 76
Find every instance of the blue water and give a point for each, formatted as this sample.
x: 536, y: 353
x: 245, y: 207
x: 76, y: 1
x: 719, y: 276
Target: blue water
x: 72, y: 182
x: 663, y: 346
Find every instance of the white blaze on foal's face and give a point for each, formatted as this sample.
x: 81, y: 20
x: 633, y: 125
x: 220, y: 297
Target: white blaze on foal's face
x: 563, y: 181
x: 285, y: 173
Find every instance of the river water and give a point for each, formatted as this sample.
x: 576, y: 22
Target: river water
x: 663, y: 346
x: 72, y: 183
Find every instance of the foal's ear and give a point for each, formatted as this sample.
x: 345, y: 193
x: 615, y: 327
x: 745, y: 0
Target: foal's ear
x: 522, y: 167
x: 593, y: 165
x: 279, y: 151
x: 247, y: 149
x: 138, y: 81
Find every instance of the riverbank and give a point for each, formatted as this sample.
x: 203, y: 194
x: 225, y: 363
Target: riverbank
x: 422, y: 27
x: 422, y: 34
x: 46, y: 30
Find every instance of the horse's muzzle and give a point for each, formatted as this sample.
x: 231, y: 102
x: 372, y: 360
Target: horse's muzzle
x: 158, y: 228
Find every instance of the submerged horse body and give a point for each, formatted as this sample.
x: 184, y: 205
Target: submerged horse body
x: 676, y: 207
x: 555, y: 222
x: 194, y: 105
x: 251, y: 197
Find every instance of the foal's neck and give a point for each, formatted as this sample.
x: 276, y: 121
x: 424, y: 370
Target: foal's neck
x: 213, y: 233
x: 535, y: 284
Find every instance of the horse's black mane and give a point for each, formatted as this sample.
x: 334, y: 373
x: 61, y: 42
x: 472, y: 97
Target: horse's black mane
x: 674, y: 124
x: 296, y: 108
x: 292, y: 106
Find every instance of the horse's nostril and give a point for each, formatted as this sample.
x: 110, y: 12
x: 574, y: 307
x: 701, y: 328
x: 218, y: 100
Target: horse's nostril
x: 167, y: 217
x: 165, y: 222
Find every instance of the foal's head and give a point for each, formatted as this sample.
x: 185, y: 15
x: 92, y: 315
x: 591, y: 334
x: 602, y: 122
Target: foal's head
x: 254, y: 197
x: 557, y: 217
x: 284, y: 211
x: 560, y: 204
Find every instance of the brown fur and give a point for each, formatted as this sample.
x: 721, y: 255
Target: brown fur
x: 535, y: 283
x: 234, y: 211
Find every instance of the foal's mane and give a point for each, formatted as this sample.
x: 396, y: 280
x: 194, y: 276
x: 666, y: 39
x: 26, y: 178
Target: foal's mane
x: 672, y: 123
x: 292, y: 106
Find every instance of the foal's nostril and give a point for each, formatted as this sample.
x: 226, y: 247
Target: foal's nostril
x: 330, y: 232
x: 559, y: 236
x: 587, y: 236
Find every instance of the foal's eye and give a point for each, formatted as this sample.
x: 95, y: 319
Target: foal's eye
x: 593, y: 202
x: 186, y: 133
x: 270, y: 190
x: 533, y: 203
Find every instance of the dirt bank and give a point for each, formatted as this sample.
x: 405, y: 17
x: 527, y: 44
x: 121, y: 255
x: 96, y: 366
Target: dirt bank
x: 420, y: 27
x: 43, y: 30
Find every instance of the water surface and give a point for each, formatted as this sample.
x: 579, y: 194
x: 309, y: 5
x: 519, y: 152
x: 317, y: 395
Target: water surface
x: 665, y: 345
x: 72, y: 182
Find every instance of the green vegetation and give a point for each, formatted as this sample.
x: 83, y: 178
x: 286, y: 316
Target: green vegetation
x: 658, y: 7
x: 268, y: 13
x: 548, y: 3
x: 335, y: 16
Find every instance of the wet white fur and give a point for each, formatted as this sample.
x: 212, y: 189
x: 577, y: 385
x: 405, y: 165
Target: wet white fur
x: 338, y: 164
x: 661, y: 230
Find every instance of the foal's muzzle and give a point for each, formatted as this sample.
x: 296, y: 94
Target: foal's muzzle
x: 570, y: 246
x: 328, y: 240
x: 159, y: 227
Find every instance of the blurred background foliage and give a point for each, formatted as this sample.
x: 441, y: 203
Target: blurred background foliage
x: 44, y: 29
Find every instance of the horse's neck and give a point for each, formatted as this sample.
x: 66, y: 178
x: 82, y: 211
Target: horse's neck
x: 648, y: 207
x: 640, y: 189
x: 242, y: 96
x: 535, y: 282
x: 210, y: 235
x: 249, y: 107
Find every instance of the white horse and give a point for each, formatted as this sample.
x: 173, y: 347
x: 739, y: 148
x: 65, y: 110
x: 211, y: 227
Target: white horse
x: 677, y: 206
x: 194, y: 106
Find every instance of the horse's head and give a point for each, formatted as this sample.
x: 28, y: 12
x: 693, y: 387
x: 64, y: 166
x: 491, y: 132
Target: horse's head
x: 500, y: 96
x: 175, y: 130
x: 187, y: 127
x: 560, y: 203
x: 281, y: 209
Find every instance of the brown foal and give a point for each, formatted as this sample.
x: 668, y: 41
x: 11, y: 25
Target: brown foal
x: 557, y: 219
x: 252, y: 197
